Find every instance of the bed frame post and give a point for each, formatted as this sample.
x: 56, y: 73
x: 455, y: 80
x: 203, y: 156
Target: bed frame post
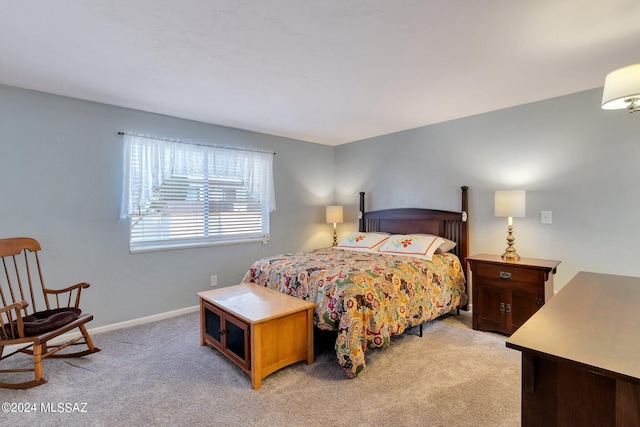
x: 361, y: 214
x: 464, y: 240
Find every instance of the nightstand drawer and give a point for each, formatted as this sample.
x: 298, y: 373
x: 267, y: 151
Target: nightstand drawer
x: 507, y: 273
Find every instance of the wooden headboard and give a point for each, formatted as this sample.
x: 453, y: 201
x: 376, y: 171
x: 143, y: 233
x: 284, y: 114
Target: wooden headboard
x: 452, y: 225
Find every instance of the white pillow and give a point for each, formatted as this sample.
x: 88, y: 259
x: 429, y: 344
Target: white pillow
x: 446, y: 246
x: 365, y: 242
x: 421, y: 246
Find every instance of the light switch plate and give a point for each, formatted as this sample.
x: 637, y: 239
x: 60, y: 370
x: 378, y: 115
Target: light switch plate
x: 545, y: 217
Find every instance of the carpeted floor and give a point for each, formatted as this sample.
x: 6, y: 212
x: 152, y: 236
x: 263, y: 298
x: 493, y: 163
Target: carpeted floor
x: 158, y: 375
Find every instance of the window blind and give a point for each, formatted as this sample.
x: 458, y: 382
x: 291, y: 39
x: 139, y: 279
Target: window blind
x: 181, y: 195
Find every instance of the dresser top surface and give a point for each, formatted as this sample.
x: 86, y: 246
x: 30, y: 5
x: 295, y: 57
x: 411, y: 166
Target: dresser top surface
x: 593, y: 321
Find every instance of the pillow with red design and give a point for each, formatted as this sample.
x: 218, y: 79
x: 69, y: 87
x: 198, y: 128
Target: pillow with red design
x: 366, y: 242
x: 421, y: 246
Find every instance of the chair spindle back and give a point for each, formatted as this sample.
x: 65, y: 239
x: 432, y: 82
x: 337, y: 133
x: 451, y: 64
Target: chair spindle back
x: 20, y: 271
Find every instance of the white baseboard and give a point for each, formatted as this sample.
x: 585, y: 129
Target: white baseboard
x: 139, y: 321
x: 115, y: 326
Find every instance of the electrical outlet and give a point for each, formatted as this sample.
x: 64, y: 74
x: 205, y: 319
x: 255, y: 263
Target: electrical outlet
x: 214, y: 281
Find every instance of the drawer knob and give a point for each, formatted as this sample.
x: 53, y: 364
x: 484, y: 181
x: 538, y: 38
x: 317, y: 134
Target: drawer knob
x: 505, y: 275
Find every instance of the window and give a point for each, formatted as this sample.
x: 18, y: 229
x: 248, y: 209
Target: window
x: 182, y: 195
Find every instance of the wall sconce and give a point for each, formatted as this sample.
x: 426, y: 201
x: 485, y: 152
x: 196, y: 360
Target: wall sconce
x: 622, y: 89
x: 510, y: 203
x: 334, y: 215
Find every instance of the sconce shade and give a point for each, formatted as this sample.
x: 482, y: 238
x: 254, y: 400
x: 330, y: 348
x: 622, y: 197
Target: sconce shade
x: 334, y: 214
x: 622, y: 89
x: 510, y: 203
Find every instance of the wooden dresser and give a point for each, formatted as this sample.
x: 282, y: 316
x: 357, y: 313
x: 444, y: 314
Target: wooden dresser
x: 507, y: 293
x: 581, y: 355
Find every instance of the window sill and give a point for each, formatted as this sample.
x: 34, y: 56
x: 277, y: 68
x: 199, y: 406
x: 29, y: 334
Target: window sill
x: 155, y: 247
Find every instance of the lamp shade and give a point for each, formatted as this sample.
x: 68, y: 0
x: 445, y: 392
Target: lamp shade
x: 621, y: 85
x: 334, y: 214
x: 510, y: 203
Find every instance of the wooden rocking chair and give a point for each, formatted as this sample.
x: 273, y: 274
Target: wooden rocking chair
x: 20, y: 321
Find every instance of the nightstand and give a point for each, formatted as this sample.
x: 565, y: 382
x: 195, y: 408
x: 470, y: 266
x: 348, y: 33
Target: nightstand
x: 507, y: 293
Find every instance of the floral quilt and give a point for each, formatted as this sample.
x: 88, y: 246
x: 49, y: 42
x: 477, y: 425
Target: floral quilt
x: 367, y: 297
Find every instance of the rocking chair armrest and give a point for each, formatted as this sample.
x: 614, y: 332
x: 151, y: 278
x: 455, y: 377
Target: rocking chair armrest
x: 82, y: 285
x: 72, y: 295
x: 17, y: 306
x: 12, y: 314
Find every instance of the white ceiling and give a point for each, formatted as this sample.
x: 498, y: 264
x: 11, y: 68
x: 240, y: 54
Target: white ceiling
x: 326, y: 71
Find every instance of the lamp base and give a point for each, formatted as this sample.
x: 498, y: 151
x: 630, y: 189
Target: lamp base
x: 511, y: 256
x: 510, y: 253
x: 335, y: 236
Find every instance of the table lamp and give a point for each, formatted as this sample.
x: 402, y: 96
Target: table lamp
x: 334, y: 215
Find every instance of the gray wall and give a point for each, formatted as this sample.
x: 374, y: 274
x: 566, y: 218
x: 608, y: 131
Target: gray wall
x: 574, y: 159
x: 61, y: 168
x: 61, y: 180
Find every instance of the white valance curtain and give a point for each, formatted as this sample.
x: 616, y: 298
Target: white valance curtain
x: 149, y: 162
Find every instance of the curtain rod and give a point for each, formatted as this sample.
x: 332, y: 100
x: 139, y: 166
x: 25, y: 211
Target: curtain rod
x: 193, y: 143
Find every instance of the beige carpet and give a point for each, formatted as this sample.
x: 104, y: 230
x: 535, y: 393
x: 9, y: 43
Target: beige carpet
x: 158, y: 375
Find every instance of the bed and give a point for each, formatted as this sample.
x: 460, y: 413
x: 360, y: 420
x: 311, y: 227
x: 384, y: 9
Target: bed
x: 368, y: 294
